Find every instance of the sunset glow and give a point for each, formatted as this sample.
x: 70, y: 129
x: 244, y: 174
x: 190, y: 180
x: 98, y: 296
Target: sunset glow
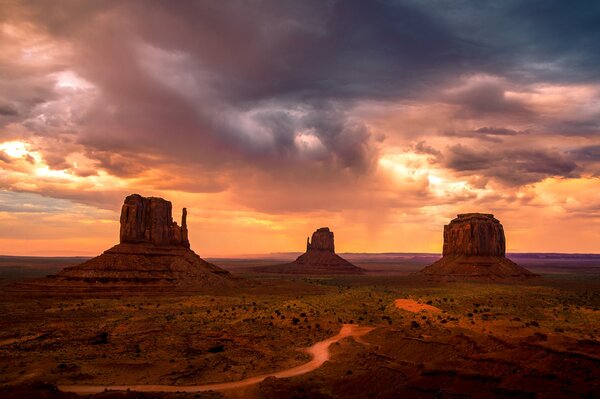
x: 267, y: 122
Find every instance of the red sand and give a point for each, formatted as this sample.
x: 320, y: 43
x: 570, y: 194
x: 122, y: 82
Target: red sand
x: 319, y: 351
x: 414, y: 306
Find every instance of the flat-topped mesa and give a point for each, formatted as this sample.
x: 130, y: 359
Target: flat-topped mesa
x: 475, y: 247
x: 149, y: 220
x: 322, y: 240
x: 474, y: 234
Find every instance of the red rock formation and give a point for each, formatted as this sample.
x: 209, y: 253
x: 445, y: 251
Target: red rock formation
x: 152, y: 249
x: 322, y: 240
x: 475, y: 246
x: 149, y: 220
x: 474, y: 234
x: 319, y: 258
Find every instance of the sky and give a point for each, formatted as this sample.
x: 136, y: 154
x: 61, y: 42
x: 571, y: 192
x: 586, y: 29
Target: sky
x: 268, y: 119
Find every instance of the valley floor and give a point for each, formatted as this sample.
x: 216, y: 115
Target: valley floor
x: 533, y: 339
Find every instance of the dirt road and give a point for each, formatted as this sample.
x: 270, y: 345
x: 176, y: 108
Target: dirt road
x: 319, y: 351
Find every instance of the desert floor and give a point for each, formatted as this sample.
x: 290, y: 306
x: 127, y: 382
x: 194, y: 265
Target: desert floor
x: 527, y: 339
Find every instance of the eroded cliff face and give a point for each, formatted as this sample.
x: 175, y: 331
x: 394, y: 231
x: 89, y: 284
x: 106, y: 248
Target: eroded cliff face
x: 475, y: 247
x: 153, y: 249
x: 322, y: 240
x: 474, y: 234
x: 149, y: 220
x: 319, y: 258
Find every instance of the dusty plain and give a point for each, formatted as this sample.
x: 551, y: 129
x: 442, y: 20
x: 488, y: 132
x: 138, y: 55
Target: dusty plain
x: 537, y: 338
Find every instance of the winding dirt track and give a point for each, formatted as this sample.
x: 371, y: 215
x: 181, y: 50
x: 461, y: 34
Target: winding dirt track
x: 319, y: 351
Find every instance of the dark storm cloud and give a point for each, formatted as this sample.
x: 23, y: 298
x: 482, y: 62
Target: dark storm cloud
x: 587, y: 153
x: 235, y: 84
x: 423, y: 148
x: 347, y: 141
x: 240, y: 66
x: 307, y: 50
x: 482, y: 97
x: 562, y: 33
x: 511, y: 166
x: 498, y: 131
x: 586, y: 127
x: 7, y: 110
x: 486, y: 133
x: 533, y: 40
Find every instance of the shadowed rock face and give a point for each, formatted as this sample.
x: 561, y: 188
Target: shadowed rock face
x: 320, y: 258
x: 474, y: 234
x: 150, y: 220
x: 152, y: 249
x: 475, y: 247
x: 322, y: 240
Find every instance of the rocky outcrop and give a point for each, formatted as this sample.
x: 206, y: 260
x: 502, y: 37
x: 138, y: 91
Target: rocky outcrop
x: 475, y: 247
x: 474, y: 234
x: 320, y: 258
x: 150, y: 220
x: 322, y: 240
x: 153, y: 249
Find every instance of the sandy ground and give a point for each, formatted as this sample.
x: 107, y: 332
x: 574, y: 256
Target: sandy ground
x: 496, y: 340
x: 319, y: 352
x: 413, y: 306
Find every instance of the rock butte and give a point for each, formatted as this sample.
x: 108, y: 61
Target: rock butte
x: 152, y: 249
x: 475, y: 247
x: 319, y: 258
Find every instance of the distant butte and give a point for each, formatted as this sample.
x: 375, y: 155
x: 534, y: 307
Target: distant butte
x: 319, y: 258
x: 152, y: 249
x: 475, y: 247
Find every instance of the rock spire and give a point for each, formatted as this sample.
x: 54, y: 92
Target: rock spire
x: 319, y: 258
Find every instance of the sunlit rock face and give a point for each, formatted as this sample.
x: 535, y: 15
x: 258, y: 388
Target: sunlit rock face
x: 475, y: 247
x: 153, y: 249
x: 150, y: 220
x: 474, y: 234
x: 322, y: 240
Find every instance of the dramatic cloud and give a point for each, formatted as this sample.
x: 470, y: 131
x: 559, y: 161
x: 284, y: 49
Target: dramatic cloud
x: 383, y: 116
x: 513, y: 166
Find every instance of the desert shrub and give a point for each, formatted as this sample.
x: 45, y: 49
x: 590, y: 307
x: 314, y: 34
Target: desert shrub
x: 216, y: 348
x: 101, y: 338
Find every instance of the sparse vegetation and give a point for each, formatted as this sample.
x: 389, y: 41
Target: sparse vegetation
x: 191, y: 338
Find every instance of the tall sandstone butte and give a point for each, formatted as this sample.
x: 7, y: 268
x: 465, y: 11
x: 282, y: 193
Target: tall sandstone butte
x: 152, y: 249
x: 475, y: 247
x: 322, y: 240
x: 319, y: 258
x: 150, y: 220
